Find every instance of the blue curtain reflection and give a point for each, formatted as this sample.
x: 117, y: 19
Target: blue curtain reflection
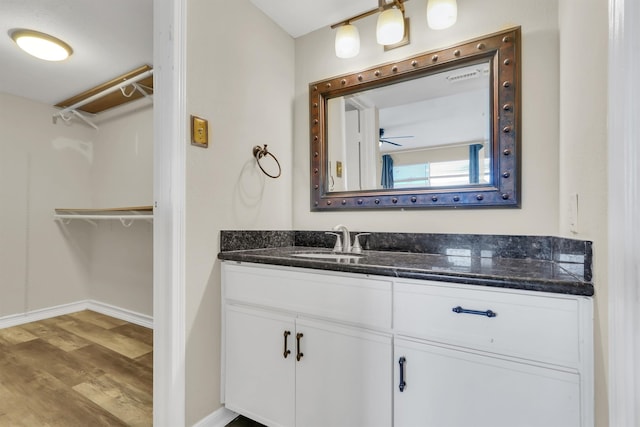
x: 474, y: 163
x: 387, y: 171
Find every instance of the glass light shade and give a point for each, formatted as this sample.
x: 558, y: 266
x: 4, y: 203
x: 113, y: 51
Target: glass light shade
x: 41, y: 45
x: 390, y: 28
x: 347, y: 41
x: 441, y: 14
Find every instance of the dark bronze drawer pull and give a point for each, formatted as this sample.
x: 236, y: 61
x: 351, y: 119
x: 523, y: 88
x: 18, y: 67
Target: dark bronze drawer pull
x: 286, y: 351
x: 298, y: 352
x: 487, y: 313
x: 403, y: 383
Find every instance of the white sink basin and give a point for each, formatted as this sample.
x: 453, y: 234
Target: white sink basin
x: 326, y: 256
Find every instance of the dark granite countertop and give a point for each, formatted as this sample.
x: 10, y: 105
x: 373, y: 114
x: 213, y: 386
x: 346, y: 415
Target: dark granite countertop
x: 532, y: 274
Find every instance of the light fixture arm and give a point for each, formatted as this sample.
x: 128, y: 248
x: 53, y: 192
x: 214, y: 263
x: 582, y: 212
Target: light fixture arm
x: 382, y: 5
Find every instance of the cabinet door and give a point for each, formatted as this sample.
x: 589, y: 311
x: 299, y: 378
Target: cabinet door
x: 344, y: 377
x: 450, y: 388
x: 259, y: 379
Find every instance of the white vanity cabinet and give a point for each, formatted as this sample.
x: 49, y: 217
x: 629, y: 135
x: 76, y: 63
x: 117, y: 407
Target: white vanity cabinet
x: 307, y: 349
x: 490, y: 357
x: 259, y: 379
x: 379, y: 351
x: 449, y: 387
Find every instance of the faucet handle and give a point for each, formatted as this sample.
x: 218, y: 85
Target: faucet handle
x: 338, y: 245
x: 357, y: 248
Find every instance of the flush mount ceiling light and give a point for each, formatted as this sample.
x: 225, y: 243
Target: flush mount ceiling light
x: 441, y: 14
x: 41, y: 45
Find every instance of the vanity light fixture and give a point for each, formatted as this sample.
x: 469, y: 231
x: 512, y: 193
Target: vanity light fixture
x: 347, y: 41
x: 41, y: 45
x: 441, y: 14
x: 391, y: 29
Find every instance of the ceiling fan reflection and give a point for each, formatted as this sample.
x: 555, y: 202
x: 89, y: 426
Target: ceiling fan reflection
x: 385, y: 139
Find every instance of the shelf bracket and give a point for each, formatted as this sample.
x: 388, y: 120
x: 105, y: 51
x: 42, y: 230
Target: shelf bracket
x: 84, y: 119
x: 126, y: 222
x: 65, y: 113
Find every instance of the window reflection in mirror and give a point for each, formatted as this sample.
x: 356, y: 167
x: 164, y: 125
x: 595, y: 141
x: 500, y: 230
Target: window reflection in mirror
x: 434, y: 131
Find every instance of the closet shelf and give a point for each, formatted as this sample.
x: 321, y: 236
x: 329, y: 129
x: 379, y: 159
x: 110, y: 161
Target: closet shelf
x: 121, y: 90
x: 126, y: 215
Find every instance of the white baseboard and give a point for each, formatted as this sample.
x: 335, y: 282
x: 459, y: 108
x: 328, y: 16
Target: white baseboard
x: 219, y: 418
x: 46, y: 313
x: 121, y: 313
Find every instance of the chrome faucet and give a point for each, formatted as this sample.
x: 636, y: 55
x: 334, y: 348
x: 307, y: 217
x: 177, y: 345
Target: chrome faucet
x: 346, y: 238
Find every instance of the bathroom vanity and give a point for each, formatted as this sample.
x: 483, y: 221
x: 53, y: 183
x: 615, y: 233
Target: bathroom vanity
x: 408, y: 339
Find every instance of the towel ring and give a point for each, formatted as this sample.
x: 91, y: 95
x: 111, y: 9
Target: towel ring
x: 259, y: 153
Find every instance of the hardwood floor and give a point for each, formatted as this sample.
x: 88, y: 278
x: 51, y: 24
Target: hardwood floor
x: 82, y: 369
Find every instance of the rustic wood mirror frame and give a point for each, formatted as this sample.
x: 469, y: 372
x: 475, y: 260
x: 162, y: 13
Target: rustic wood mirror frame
x: 503, y: 51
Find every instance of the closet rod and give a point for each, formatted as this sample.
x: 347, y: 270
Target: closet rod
x: 119, y: 86
x: 126, y: 220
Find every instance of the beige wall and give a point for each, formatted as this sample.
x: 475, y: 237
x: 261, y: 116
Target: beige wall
x: 122, y: 175
x: 245, y: 89
x: 583, y: 154
x: 563, y: 130
x: 240, y: 69
x: 122, y: 171
x: 42, y: 166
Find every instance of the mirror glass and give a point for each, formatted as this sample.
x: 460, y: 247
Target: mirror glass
x: 433, y: 131
x: 439, y: 129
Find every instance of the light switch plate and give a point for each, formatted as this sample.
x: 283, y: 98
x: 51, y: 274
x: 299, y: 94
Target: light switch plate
x: 573, y: 213
x: 199, y: 132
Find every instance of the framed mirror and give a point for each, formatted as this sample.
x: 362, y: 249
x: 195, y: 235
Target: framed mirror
x: 437, y: 130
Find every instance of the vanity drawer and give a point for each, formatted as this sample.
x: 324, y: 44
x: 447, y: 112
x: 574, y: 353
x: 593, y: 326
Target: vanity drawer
x: 353, y: 299
x: 543, y: 328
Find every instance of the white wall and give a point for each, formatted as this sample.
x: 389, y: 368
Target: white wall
x: 315, y: 60
x: 122, y: 175
x: 42, y: 166
x: 583, y: 155
x: 240, y: 76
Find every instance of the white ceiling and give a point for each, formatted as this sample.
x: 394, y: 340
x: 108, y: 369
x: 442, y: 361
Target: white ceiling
x: 299, y: 17
x: 109, y: 38
x: 428, y: 111
x: 112, y: 37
